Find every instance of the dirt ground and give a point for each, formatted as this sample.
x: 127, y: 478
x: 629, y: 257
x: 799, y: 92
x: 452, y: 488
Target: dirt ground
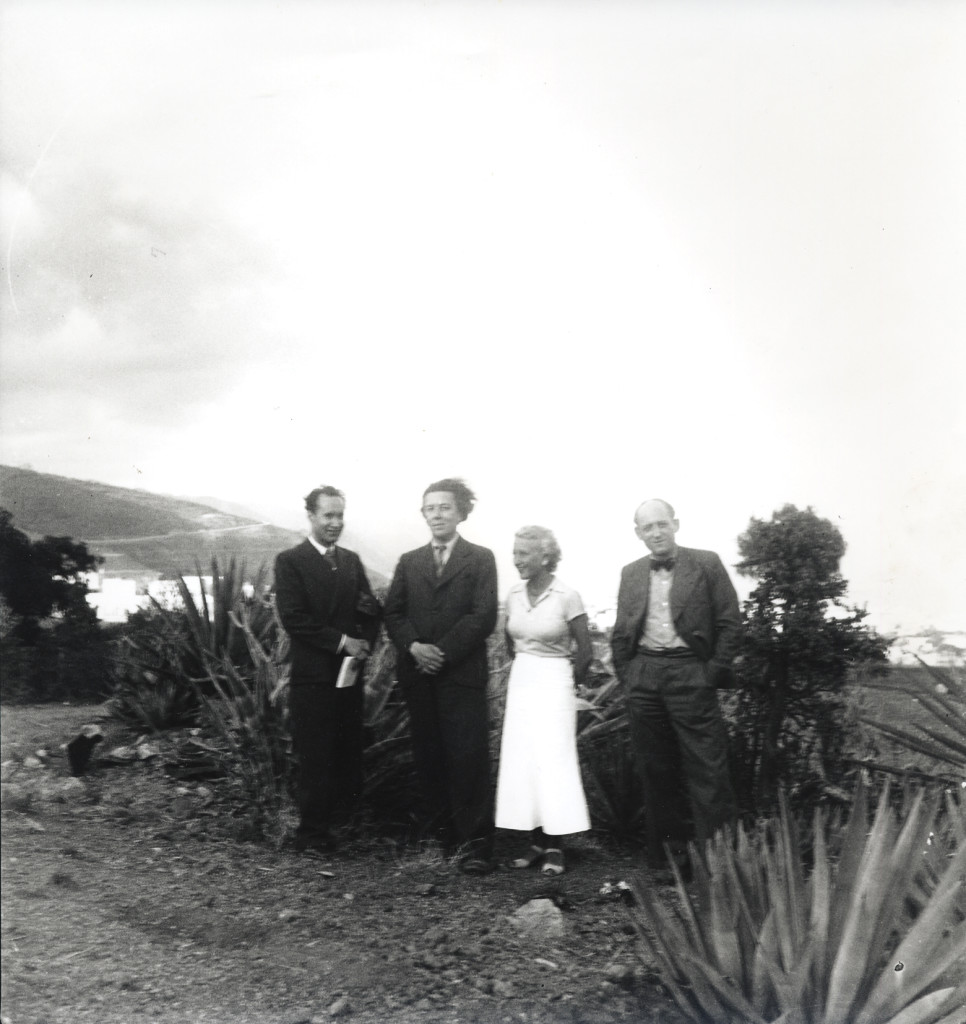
x: 126, y: 900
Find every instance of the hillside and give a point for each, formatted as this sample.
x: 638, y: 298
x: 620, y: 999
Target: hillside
x: 139, y: 534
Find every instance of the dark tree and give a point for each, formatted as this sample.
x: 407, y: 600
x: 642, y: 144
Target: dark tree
x: 800, y: 642
x: 39, y: 578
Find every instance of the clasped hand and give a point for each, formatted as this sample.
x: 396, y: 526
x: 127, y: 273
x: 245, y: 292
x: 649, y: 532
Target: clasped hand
x: 356, y: 648
x: 428, y: 657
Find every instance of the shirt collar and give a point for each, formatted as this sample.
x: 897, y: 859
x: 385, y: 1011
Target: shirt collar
x: 556, y: 587
x: 321, y: 548
x: 447, y: 547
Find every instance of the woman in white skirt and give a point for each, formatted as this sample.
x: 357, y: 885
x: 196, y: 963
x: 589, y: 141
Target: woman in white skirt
x: 538, y: 786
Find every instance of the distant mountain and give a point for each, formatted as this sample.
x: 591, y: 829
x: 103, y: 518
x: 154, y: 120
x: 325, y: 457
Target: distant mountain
x: 140, y: 534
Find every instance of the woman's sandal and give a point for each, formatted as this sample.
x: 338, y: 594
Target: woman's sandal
x: 529, y: 859
x: 553, y: 862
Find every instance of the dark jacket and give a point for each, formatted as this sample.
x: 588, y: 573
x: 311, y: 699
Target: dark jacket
x: 318, y: 603
x: 704, y: 607
x: 456, y: 612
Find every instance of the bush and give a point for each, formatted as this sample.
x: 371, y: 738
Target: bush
x: 615, y: 797
x: 932, y: 705
x: 151, y: 690
x: 246, y: 714
x: 166, y: 654
x: 800, y: 643
x: 874, y: 935
x: 67, y: 659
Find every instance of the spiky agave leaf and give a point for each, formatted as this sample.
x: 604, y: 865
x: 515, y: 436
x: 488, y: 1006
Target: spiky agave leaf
x: 928, y: 950
x: 820, y: 915
x: 842, y: 970
x: 860, y: 942
x: 667, y: 944
x: 722, y: 929
x: 923, y: 1010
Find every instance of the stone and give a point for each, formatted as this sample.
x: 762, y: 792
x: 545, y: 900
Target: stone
x: 501, y: 988
x: 15, y: 797
x: 181, y: 807
x: 121, y: 755
x: 539, y: 919
x: 288, y: 915
x: 621, y: 974
x: 31, y: 761
x: 340, y: 1007
x: 145, y: 751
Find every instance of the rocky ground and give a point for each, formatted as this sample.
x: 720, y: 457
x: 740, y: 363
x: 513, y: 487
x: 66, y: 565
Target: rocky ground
x: 126, y: 898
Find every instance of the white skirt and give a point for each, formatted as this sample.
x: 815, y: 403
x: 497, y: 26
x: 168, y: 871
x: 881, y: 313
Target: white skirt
x: 539, y: 777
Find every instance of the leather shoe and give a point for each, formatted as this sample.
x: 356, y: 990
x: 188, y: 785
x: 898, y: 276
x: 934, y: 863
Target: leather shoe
x: 475, y: 865
x: 553, y: 863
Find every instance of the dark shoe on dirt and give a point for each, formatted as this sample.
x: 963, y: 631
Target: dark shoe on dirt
x: 553, y: 863
x: 474, y: 865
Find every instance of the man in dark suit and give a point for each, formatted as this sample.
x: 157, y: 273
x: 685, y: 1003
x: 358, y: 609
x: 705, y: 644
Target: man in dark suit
x: 441, y: 607
x: 327, y: 607
x: 676, y: 635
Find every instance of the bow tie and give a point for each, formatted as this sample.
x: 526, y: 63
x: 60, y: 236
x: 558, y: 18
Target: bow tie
x: 665, y: 563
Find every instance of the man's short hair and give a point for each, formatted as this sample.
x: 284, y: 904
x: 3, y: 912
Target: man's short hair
x: 312, y: 498
x: 668, y: 507
x: 465, y: 499
x: 549, y: 547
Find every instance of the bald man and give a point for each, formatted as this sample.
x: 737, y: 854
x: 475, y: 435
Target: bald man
x: 676, y: 635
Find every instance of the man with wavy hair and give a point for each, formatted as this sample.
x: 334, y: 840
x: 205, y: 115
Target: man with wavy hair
x: 441, y: 607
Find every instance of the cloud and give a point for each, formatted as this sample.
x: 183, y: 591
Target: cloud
x: 128, y: 301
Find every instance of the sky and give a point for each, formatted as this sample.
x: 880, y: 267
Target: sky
x: 579, y: 253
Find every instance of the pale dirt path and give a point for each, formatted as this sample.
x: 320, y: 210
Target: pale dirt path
x: 127, y: 904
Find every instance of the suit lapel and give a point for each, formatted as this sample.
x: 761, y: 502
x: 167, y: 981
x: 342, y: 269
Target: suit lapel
x: 685, y: 578
x: 641, y: 582
x: 321, y: 578
x: 426, y: 563
x: 455, y: 563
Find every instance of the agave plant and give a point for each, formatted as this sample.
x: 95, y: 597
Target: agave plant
x: 213, y: 627
x: 613, y: 788
x: 943, y: 698
x: 874, y: 935
x: 246, y: 714
x: 166, y: 652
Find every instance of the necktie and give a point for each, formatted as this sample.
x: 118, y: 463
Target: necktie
x: 329, y: 556
x: 666, y: 563
x: 438, y: 550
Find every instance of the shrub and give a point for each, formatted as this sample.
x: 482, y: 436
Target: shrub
x: 875, y: 935
x: 800, y: 642
x: 390, y: 786
x: 933, y: 704
x: 615, y: 797
x: 166, y: 653
x: 245, y: 713
x: 151, y: 690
